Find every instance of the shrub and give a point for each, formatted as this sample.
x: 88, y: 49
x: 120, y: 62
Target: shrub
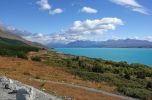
x: 136, y: 92
x: 37, y: 77
x: 22, y: 55
x: 149, y: 85
x: 36, y: 58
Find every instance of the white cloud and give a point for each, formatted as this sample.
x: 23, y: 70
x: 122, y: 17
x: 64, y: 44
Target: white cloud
x: 79, y: 30
x: 89, y: 10
x: 82, y: 30
x: 133, y: 4
x: 56, y: 11
x: 149, y: 38
x: 44, y: 4
x: 97, y: 26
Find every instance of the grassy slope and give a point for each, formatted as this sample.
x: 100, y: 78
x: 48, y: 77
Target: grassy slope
x: 23, y: 70
x: 133, y: 80
x: 10, y: 47
x: 10, y: 35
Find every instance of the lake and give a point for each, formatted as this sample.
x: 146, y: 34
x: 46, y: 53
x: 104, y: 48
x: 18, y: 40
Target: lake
x: 131, y: 55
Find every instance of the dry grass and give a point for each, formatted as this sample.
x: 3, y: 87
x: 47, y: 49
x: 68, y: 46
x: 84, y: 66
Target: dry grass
x: 22, y: 70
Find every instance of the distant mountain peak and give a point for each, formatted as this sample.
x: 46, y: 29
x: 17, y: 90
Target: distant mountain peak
x: 121, y: 43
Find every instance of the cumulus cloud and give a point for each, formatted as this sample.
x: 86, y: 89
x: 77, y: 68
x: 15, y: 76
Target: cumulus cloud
x: 79, y: 30
x: 132, y: 4
x: 89, y: 10
x: 54, y: 38
x: 97, y: 26
x: 44, y: 5
x: 56, y: 11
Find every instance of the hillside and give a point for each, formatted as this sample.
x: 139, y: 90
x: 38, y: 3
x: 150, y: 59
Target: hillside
x: 24, y: 70
x: 11, y: 35
x: 29, y: 72
x: 10, y: 47
x: 133, y: 80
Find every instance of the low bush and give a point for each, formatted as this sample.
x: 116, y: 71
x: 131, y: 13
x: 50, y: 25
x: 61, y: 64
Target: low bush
x: 36, y: 58
x: 136, y: 92
x: 22, y: 55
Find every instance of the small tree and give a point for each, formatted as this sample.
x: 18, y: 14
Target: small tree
x: 149, y: 85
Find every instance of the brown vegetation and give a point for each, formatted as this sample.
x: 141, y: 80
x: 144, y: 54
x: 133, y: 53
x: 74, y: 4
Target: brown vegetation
x: 23, y: 70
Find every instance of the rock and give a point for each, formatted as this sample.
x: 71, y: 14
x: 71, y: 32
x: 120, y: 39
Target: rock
x: 7, y: 86
x: 14, y: 90
x: 25, y: 93
x: 10, y: 86
x: 7, y: 83
x: 5, y: 80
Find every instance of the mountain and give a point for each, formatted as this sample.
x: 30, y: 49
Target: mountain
x: 4, y: 33
x: 127, y: 43
x: 122, y: 43
x: 82, y: 44
x: 9, y: 35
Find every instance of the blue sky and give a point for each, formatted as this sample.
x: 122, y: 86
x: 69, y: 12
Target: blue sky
x: 55, y: 20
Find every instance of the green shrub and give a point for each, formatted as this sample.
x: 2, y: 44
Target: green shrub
x: 149, y: 85
x: 22, y: 55
x: 136, y: 92
x: 36, y: 58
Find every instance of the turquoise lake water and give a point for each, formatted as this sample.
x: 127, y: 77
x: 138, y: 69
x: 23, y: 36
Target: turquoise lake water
x: 131, y: 55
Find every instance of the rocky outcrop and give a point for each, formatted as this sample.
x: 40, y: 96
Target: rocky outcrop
x: 14, y: 90
x: 25, y: 94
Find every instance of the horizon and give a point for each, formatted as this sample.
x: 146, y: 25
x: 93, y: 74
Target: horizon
x: 46, y: 21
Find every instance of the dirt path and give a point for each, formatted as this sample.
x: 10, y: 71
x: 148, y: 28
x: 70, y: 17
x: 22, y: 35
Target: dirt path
x: 86, y: 88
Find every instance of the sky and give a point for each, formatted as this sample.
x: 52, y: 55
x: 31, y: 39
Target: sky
x: 71, y: 20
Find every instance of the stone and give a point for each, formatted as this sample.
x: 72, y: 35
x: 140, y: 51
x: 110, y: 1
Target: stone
x: 3, y: 79
x: 25, y: 94
x: 7, y: 86
x: 6, y: 82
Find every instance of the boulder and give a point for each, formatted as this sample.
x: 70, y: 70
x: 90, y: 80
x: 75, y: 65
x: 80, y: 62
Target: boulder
x: 3, y: 79
x: 25, y: 93
x: 6, y: 80
x: 11, y: 86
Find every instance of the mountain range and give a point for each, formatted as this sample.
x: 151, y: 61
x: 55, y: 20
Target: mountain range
x: 122, y: 43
